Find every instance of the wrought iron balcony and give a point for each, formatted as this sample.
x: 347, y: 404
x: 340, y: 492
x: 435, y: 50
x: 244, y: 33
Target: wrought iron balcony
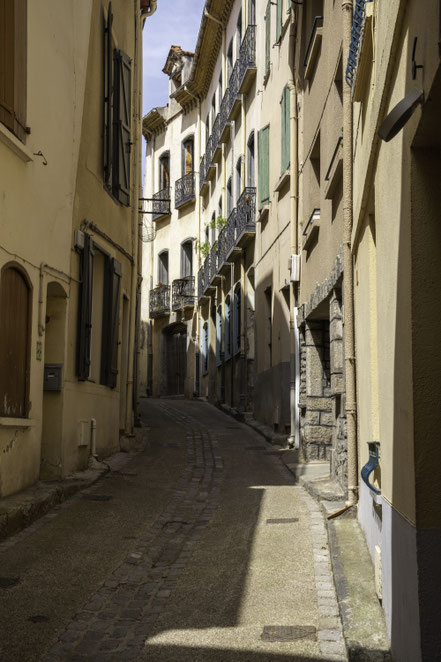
x: 202, y: 181
x: 215, y: 140
x: 354, y: 47
x: 222, y: 247
x: 210, y: 167
x: 184, y: 190
x: 246, y: 215
x: 203, y: 278
x: 224, y: 130
x: 233, y: 86
x: 212, y: 263
x: 160, y: 301
x: 161, y: 203
x: 247, y: 59
x: 183, y: 293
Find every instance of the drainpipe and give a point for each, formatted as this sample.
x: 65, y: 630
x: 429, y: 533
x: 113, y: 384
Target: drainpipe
x: 294, y: 358
x: 348, y: 282
x: 136, y: 165
x: 41, y: 326
x: 150, y: 143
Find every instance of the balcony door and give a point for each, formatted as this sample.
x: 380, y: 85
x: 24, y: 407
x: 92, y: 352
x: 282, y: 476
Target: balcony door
x: 176, y: 359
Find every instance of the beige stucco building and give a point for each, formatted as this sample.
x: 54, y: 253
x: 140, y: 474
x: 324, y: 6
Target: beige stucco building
x: 70, y: 110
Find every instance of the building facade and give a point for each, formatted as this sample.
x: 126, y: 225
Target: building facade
x: 69, y: 266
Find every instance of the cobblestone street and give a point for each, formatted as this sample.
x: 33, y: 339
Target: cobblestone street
x: 198, y: 547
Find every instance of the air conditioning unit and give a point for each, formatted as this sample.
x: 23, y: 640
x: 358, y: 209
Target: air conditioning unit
x: 294, y: 268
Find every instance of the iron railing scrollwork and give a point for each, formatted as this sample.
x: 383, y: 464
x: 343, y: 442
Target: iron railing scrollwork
x: 246, y: 211
x: 233, y: 85
x: 247, y: 52
x: 161, y: 203
x: 354, y: 46
x: 223, y: 112
x: 202, y: 173
x: 203, y: 277
x: 184, y: 189
x: 212, y: 258
x: 160, y: 300
x: 183, y: 292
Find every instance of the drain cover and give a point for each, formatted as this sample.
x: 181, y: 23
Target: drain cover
x: 282, y: 520
x: 7, y: 582
x: 97, y: 497
x: 288, y: 632
x: 38, y: 618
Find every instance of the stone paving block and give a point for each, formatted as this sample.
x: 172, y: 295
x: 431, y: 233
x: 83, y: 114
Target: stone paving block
x: 330, y: 635
x: 332, y: 648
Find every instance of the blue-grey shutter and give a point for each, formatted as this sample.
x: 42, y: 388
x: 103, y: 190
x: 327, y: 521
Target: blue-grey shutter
x: 85, y: 310
x: 121, y: 127
x: 279, y: 22
x: 263, y: 156
x: 108, y: 89
x: 109, y: 344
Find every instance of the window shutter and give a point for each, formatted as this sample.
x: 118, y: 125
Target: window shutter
x: 263, y: 156
x: 237, y: 319
x: 279, y: 23
x: 267, y: 38
x: 121, y: 127
x: 108, y: 89
x: 85, y: 310
x: 7, y: 62
x: 109, y: 357
x: 286, y: 133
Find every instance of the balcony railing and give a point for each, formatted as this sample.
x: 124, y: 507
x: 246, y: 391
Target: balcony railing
x: 212, y: 257
x: 224, y: 115
x: 230, y: 232
x: 161, y: 203
x: 160, y: 301
x: 184, y: 189
x: 247, y: 58
x: 183, y: 292
x: 215, y: 137
x: 233, y: 86
x: 356, y: 32
x: 202, y: 173
x: 204, y: 277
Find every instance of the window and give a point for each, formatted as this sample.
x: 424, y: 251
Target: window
x: 219, y: 335
x: 15, y: 325
x: 286, y: 126
x: 227, y: 342
x: 205, y: 348
x: 238, y: 178
x: 229, y: 197
x: 252, y: 12
x: 187, y: 259
x: 164, y: 171
x: 187, y: 156
x: 279, y: 20
x: 117, y: 117
x: 250, y: 161
x: 263, y: 156
x: 98, y: 316
x: 237, y: 319
x: 229, y: 60
x: 13, y: 70
x: 267, y: 38
x: 163, y: 268
x: 239, y: 32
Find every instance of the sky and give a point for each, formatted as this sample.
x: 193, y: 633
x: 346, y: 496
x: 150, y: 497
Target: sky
x: 175, y: 22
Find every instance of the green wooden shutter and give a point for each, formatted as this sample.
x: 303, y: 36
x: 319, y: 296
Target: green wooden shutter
x: 286, y: 132
x: 85, y: 310
x: 263, y: 156
x: 121, y: 127
x: 279, y: 23
x: 108, y: 88
x: 109, y: 344
x: 267, y: 38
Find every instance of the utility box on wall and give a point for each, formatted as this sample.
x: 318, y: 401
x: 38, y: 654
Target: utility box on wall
x: 52, y: 377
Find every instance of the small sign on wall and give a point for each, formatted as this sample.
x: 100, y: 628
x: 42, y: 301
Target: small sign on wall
x: 39, y: 350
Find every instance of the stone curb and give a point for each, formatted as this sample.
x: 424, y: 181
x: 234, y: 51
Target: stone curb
x: 20, y: 510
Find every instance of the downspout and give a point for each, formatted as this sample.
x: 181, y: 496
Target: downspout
x: 136, y: 165
x: 348, y: 281
x: 294, y: 358
x: 197, y: 160
x: 151, y: 142
x: 41, y: 326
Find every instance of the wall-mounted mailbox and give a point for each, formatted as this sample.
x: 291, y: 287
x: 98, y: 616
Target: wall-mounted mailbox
x: 52, y: 377
x: 371, y: 465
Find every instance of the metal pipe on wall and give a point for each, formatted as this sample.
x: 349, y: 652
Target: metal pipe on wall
x: 348, y: 281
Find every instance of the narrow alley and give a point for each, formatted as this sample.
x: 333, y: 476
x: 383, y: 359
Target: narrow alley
x: 199, y: 547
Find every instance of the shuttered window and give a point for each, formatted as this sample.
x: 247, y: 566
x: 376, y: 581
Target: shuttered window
x: 109, y: 343
x: 13, y: 66
x: 186, y: 259
x: 263, y: 156
x: 117, y: 116
x: 237, y: 319
x: 267, y: 38
x: 15, y: 300
x: 219, y: 335
x: 279, y: 20
x: 85, y: 310
x: 163, y: 268
x: 187, y: 157
x: 104, y: 322
x: 286, y: 133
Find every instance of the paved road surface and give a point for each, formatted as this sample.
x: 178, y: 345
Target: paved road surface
x: 199, y: 548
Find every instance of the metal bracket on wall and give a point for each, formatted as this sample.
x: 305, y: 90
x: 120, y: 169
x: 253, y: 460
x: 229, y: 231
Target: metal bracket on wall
x: 371, y: 465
